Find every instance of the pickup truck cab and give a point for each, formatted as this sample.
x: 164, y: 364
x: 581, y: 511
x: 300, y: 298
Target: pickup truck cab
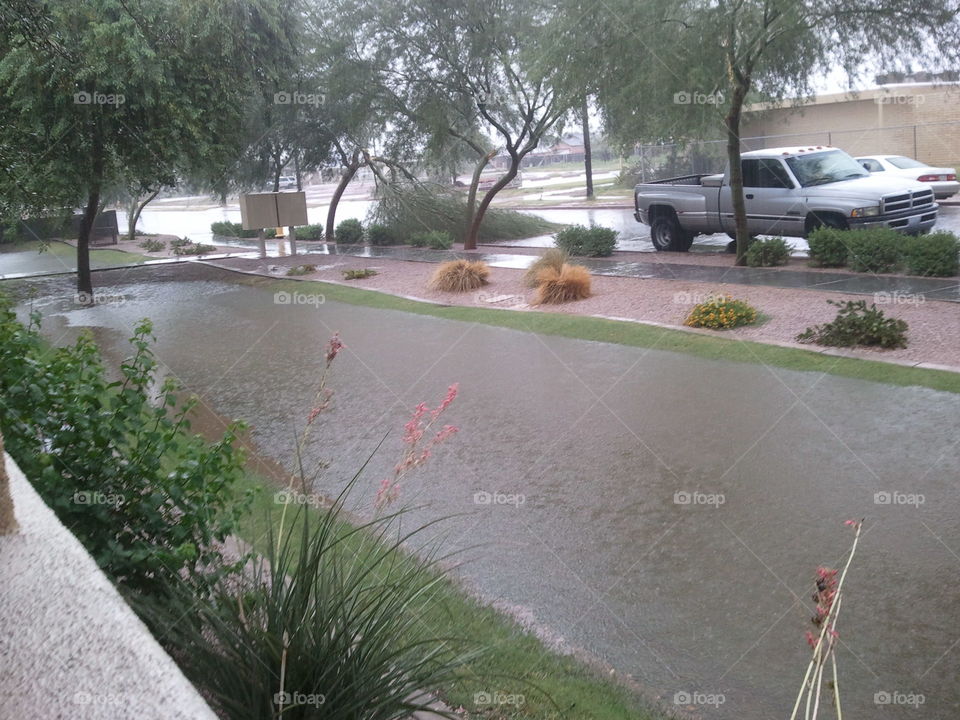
x: 788, y: 191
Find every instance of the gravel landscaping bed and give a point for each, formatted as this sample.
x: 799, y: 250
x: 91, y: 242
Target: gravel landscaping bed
x: 934, y: 333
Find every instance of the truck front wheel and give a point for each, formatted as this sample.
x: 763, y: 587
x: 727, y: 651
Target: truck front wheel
x: 666, y: 234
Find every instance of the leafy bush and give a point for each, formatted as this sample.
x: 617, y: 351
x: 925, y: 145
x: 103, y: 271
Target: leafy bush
x: 935, y: 254
x: 877, y: 250
x: 409, y: 209
x: 231, y: 229
x: 460, y: 276
x: 828, y: 247
x: 571, y: 282
x: 856, y: 324
x: 433, y: 239
x: 768, y: 253
x: 593, y: 241
x: 358, y: 274
x: 721, y: 312
x: 152, y: 245
x: 301, y: 270
x: 381, y: 235
x: 310, y: 232
x: 349, y: 232
x: 188, y: 247
x: 327, y: 624
x: 148, y: 498
x: 553, y: 258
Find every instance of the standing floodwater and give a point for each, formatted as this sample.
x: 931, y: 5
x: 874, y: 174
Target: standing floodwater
x: 664, y: 512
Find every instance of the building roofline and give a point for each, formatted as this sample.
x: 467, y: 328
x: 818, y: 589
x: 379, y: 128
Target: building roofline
x: 854, y: 95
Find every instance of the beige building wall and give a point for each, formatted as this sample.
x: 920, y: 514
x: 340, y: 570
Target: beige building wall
x: 920, y: 120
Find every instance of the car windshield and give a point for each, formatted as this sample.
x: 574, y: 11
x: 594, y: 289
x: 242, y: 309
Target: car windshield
x: 904, y: 162
x: 825, y: 167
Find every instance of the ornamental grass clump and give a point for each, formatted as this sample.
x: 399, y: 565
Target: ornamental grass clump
x: 721, y: 312
x: 460, y: 276
x: 570, y: 282
x: 553, y: 258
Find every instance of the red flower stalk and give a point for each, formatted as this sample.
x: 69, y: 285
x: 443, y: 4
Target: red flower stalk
x: 414, y: 430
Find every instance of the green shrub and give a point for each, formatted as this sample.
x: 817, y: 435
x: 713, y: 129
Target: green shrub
x: 856, y: 324
x: 593, y: 241
x: 311, y: 232
x: 152, y: 245
x: 409, y: 208
x: 147, y: 498
x: 721, y: 312
x: 877, y: 250
x: 381, y: 235
x: 186, y: 246
x: 828, y: 247
x: 230, y: 229
x: 768, y: 253
x: 935, y: 254
x: 358, y: 274
x: 349, y: 232
x: 301, y: 270
x: 433, y: 239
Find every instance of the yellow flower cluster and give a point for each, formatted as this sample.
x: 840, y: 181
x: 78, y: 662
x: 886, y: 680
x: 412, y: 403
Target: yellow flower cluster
x: 721, y: 313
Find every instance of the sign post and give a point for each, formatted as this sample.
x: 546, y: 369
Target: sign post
x: 263, y: 210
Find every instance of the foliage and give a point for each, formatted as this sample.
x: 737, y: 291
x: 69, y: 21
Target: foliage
x: 326, y: 623
x: 186, y: 246
x: 152, y: 245
x: 411, y: 208
x: 460, y: 276
x: 358, y: 274
x: 381, y: 235
x: 552, y: 258
x: 571, y: 282
x: 310, y: 232
x: 768, y: 253
x: 232, y: 229
x: 148, y: 498
x: 875, y: 250
x: 594, y: 241
x: 301, y: 270
x: 828, y: 247
x: 856, y: 324
x: 935, y: 254
x: 349, y: 232
x: 433, y: 239
x: 721, y: 312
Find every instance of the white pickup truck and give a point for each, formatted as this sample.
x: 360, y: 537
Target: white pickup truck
x: 788, y: 191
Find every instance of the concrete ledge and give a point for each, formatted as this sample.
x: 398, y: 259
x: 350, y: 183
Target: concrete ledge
x: 70, y: 647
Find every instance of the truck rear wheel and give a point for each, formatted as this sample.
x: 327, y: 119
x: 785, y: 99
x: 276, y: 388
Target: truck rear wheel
x: 666, y: 234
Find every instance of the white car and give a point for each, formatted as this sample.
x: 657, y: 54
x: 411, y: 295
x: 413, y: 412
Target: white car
x: 942, y: 180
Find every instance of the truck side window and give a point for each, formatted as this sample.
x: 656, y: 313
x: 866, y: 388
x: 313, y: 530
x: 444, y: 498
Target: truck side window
x: 765, y: 173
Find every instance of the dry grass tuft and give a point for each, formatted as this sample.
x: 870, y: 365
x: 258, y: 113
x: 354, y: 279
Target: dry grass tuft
x: 571, y: 282
x: 460, y: 276
x: 553, y: 258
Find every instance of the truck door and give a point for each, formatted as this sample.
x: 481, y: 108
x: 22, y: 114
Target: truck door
x: 774, y: 206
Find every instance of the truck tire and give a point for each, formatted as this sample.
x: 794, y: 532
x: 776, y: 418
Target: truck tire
x: 666, y: 234
x: 831, y: 221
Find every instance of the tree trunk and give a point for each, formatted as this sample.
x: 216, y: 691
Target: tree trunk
x: 472, y: 236
x: 472, y: 192
x: 135, y: 215
x: 587, y: 158
x: 345, y: 179
x: 84, y: 279
x: 296, y: 171
x: 732, y: 124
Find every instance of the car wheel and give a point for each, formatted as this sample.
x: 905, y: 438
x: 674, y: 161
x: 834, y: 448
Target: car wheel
x: 830, y: 221
x: 666, y: 234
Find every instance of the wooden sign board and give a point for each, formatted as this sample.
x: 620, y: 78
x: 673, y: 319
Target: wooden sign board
x: 265, y: 210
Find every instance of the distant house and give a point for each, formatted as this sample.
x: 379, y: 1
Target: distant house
x: 916, y: 115
x: 568, y: 149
